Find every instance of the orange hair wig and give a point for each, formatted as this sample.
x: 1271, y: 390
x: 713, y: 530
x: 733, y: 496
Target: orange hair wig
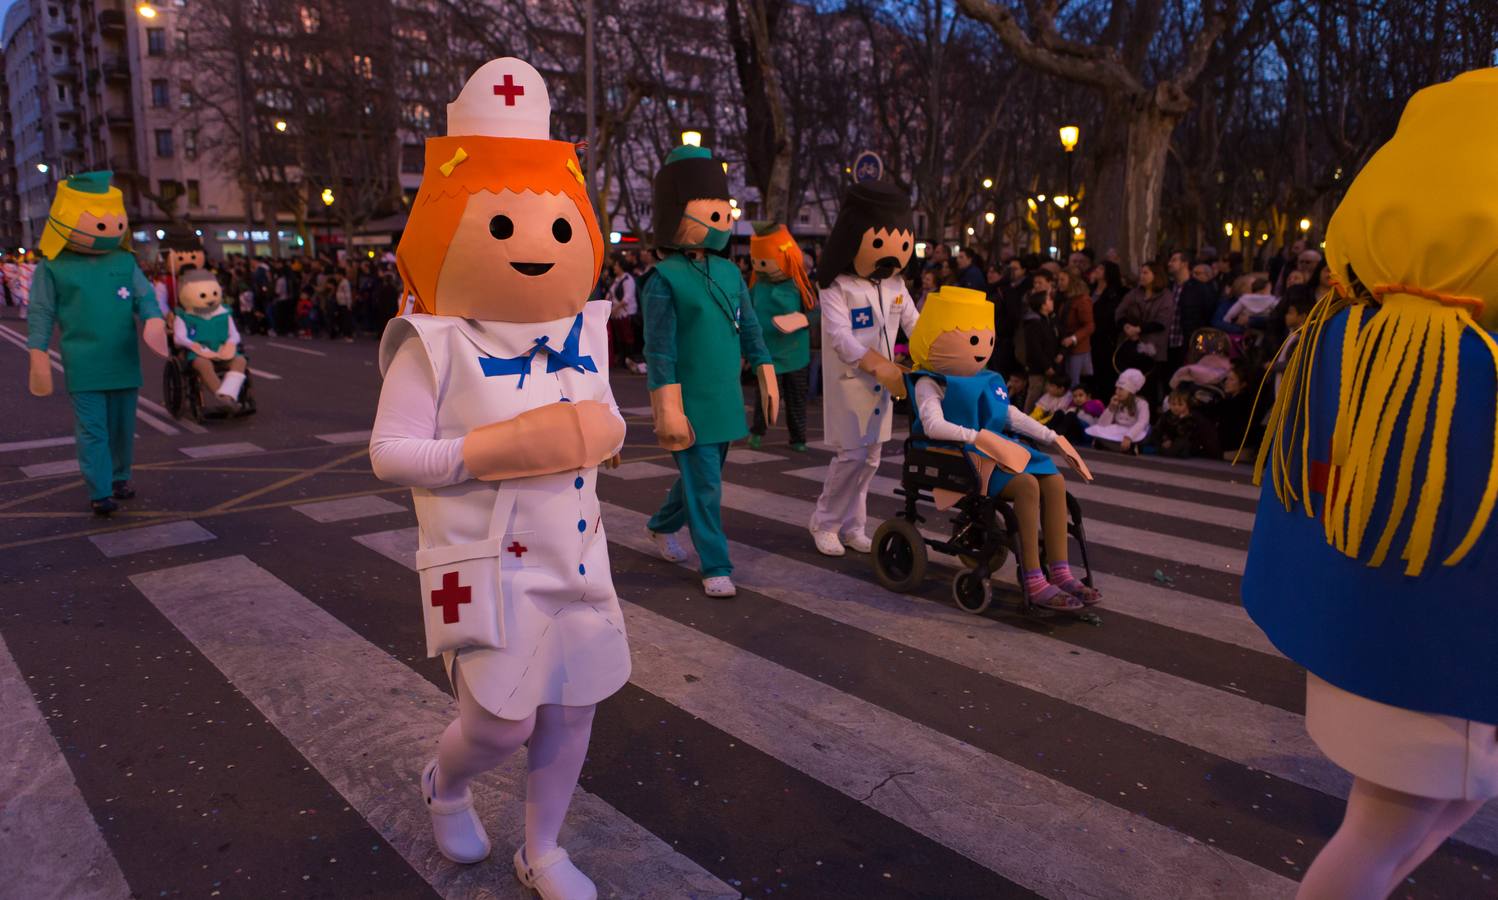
x: 458, y: 167
x: 778, y: 246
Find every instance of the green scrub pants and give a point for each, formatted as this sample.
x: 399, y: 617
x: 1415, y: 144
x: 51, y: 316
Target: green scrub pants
x: 104, y: 424
x: 695, y: 500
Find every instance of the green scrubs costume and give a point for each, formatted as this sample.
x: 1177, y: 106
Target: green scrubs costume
x: 95, y: 300
x: 699, y: 327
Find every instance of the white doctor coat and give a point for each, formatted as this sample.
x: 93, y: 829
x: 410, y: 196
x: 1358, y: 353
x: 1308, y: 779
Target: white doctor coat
x: 859, y: 315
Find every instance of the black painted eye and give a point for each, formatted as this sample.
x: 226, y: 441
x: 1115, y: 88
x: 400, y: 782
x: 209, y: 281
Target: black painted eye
x: 973, y: 340
x: 990, y: 342
x: 561, y: 229
x: 717, y: 217
x: 905, y: 246
x: 878, y: 242
x: 502, y: 228
x: 101, y: 226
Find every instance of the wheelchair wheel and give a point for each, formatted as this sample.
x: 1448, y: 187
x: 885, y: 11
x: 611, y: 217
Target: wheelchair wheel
x: 995, y: 562
x: 971, y: 593
x: 899, y: 555
x: 171, y: 388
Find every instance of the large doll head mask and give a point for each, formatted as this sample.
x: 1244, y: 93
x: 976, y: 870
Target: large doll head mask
x: 87, y: 216
x: 691, y: 201
x: 872, y: 237
x: 776, y: 256
x: 199, y: 292
x: 501, y: 229
x: 955, y: 333
x: 182, y: 249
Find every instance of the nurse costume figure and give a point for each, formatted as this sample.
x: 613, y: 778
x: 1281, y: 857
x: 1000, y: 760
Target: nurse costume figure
x: 1374, y: 555
x: 864, y: 306
x: 496, y: 410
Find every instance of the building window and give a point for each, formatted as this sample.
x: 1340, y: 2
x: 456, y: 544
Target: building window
x: 418, y: 117
x: 185, y: 95
x: 412, y: 158
x: 164, y: 142
x: 190, y: 143
x: 194, y: 194
x: 182, y: 42
x: 160, y: 93
x: 156, y: 41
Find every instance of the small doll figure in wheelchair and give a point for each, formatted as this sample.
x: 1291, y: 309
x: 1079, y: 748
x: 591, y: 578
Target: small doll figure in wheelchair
x: 963, y: 453
x: 208, y: 372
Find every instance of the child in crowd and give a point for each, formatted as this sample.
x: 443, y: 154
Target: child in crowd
x: 1296, y: 309
x: 1085, y: 407
x: 1181, y: 431
x: 1056, y: 399
x: 1234, y: 412
x: 1126, y: 422
x: 1257, y: 304
x: 306, y: 315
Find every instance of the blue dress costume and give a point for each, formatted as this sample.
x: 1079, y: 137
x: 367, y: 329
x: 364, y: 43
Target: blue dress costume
x: 1421, y: 643
x: 980, y: 402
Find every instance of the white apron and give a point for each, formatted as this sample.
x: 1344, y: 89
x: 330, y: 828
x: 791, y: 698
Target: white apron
x: 856, y: 409
x: 519, y: 567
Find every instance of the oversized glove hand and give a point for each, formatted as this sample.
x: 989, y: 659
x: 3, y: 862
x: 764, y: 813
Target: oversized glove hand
x: 41, y: 374
x: 227, y: 351
x: 1009, y: 455
x: 1073, y: 458
x: 551, y: 438
x: 769, y: 392
x: 155, y: 337
x: 889, y: 374
x: 791, y: 322
x: 672, y: 428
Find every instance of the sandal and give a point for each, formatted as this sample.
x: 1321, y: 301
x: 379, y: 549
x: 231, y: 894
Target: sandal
x: 1053, y: 597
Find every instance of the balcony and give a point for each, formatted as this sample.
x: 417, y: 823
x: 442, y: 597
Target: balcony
x: 60, y: 30
x: 63, y: 70
x: 116, y: 70
x: 118, y: 118
x: 112, y: 22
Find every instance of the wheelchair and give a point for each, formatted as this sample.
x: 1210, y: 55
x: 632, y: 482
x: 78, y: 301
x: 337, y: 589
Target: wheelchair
x: 182, y: 388
x: 985, y: 531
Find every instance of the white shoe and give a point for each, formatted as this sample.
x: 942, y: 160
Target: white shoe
x: 554, y: 877
x: 669, y: 547
x: 828, y: 543
x: 459, y: 833
x: 856, y: 541
x: 719, y: 586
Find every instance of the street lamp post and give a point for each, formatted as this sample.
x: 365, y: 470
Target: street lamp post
x: 1069, y: 136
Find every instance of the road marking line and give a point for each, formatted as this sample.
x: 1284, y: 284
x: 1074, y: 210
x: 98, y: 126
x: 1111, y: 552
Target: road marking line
x: 373, y: 726
x: 159, y: 424
x: 213, y: 451
x: 345, y: 437
x: 1171, y: 479
x: 50, y: 845
x: 288, y: 481
x: 151, y: 537
x: 261, y: 373
x: 634, y: 471
x: 349, y: 508
x: 37, y: 444
x: 56, y: 467
x: 749, y: 457
x: 292, y: 347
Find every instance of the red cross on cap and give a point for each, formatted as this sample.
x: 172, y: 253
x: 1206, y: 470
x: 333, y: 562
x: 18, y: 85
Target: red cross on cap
x: 505, y: 98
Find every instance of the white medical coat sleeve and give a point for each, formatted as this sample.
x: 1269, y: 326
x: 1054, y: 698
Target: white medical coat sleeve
x: 403, y: 445
x: 179, y: 333
x: 837, y: 328
x: 928, y: 397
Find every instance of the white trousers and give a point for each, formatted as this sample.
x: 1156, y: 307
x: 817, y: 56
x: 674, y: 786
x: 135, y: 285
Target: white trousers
x: 843, y: 507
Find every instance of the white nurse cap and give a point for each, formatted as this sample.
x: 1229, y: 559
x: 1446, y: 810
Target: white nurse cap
x: 504, y: 98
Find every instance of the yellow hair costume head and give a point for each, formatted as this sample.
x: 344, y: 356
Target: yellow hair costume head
x: 88, y: 193
x: 948, y: 309
x: 1412, y: 248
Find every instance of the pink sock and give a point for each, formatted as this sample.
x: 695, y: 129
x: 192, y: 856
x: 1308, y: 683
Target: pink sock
x: 1062, y: 577
x: 1042, y: 593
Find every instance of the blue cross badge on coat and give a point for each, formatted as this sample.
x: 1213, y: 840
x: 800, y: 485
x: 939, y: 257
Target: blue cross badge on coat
x: 862, y: 316
x: 568, y: 357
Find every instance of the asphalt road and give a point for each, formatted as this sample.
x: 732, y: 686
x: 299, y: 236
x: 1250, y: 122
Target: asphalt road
x: 222, y: 690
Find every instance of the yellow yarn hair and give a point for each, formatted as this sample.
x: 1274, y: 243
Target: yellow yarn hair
x: 948, y: 309
x: 1417, y: 231
x: 68, y: 206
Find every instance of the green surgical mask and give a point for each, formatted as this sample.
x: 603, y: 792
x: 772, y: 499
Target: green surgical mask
x: 716, y: 238
x: 99, y: 245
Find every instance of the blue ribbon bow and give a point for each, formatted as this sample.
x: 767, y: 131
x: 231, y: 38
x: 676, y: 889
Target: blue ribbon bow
x: 566, y: 358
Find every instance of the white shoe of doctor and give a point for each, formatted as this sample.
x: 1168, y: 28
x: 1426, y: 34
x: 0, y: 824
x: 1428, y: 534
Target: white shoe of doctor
x: 856, y: 541
x: 828, y: 543
x: 668, y: 547
x: 554, y: 877
x: 719, y: 586
x: 460, y: 835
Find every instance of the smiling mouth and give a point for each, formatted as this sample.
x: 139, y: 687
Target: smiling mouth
x: 980, y: 359
x: 532, y: 269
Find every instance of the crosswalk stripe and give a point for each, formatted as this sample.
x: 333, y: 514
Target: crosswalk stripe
x: 345, y: 437
x: 293, y: 348
x: 633, y: 471
x: 55, y: 467
x: 348, y: 508
x: 151, y: 537
x: 1153, y: 475
x: 38, y: 444
x: 1181, y: 509
x: 367, y: 723
x: 50, y: 845
x: 1010, y: 819
x: 212, y: 451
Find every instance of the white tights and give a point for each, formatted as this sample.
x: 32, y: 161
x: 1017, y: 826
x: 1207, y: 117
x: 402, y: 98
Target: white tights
x: 477, y: 741
x: 1385, y: 836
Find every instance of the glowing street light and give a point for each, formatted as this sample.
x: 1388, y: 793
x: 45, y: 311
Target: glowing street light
x: 988, y: 184
x: 1040, y: 197
x: 43, y: 168
x: 281, y: 125
x: 1061, y: 200
x: 1030, y: 201
x: 615, y: 237
x: 1069, y: 136
x: 1264, y: 236
x: 1074, y: 221
x: 1305, y: 224
x: 327, y: 196
x: 691, y: 139
x: 1227, y: 228
x: 145, y: 10
x: 970, y: 231
x: 989, y: 217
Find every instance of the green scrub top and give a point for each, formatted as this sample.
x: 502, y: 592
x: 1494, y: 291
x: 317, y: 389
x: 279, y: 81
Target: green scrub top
x: 697, y: 331
x: 791, y: 352
x: 95, y: 301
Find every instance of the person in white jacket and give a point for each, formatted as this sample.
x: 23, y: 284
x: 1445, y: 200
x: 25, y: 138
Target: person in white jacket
x: 1126, y: 422
x: 864, y: 306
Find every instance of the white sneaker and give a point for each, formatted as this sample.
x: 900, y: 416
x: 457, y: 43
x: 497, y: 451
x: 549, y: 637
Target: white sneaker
x: 828, y: 543
x: 459, y: 833
x: 856, y: 541
x: 719, y: 586
x: 669, y: 547
x: 554, y: 877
